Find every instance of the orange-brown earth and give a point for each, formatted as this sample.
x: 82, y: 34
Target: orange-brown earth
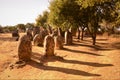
x: 80, y: 60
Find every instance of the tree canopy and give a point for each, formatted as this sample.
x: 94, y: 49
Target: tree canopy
x: 41, y: 20
x: 88, y: 13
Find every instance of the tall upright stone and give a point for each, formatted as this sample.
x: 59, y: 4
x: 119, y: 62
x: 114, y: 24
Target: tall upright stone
x: 29, y: 32
x: 50, y: 29
x: 15, y: 34
x: 44, y: 33
x: 60, y: 32
x: 25, y: 48
x: 38, y: 40
x: 49, y: 46
x: 36, y: 30
x: 68, y: 38
x: 58, y: 42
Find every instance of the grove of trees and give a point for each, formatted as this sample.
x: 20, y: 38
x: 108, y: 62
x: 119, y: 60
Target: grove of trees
x: 81, y: 15
x: 84, y: 14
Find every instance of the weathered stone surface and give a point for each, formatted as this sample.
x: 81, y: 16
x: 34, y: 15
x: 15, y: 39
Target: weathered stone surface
x: 60, y: 32
x: 68, y: 38
x: 49, y: 46
x: 58, y: 42
x: 16, y: 35
x: 36, y: 30
x: 29, y: 33
x: 44, y: 33
x: 25, y: 48
x: 49, y: 29
x: 38, y: 40
x: 55, y: 32
x: 73, y: 31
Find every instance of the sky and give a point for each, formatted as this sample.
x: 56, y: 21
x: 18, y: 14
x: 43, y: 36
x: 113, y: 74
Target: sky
x: 13, y: 12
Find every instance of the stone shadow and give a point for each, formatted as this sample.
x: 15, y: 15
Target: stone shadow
x: 40, y: 61
x: 84, y: 52
x: 96, y: 47
x: 60, y: 69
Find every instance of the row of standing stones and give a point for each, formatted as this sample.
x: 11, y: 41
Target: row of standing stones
x: 50, y: 42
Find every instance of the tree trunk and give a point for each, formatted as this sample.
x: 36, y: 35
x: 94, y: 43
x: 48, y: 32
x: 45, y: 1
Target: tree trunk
x: 78, y: 33
x: 94, y: 39
x: 82, y: 34
x: 93, y: 36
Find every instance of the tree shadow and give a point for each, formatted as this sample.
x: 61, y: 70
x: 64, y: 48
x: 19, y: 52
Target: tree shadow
x: 61, y: 59
x: 116, y: 45
x: 101, y: 39
x: 96, y: 47
x: 76, y: 51
x: 86, y: 63
x: 45, y: 59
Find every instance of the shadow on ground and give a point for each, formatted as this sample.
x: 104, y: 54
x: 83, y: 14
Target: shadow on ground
x: 84, y: 52
x: 42, y: 64
x: 60, y: 69
x: 95, y: 47
x: 116, y: 45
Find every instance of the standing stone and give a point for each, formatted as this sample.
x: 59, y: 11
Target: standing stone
x: 68, y: 38
x: 38, y: 40
x: 44, y: 33
x: 73, y: 31
x: 50, y: 29
x: 25, y: 48
x: 49, y: 46
x: 29, y: 33
x: 55, y: 32
x: 58, y: 42
x: 15, y: 34
x: 36, y: 30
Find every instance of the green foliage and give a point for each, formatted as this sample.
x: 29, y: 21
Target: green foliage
x: 21, y: 26
x: 85, y: 13
x: 63, y: 13
x: 29, y: 25
x: 117, y: 22
x: 9, y: 28
x: 42, y: 19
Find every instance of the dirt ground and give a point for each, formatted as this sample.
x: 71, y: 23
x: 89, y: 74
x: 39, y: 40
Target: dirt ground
x: 80, y: 61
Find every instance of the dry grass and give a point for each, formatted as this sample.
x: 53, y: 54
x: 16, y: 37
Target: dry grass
x: 78, y: 61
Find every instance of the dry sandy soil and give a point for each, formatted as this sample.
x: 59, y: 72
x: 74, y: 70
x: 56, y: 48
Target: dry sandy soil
x: 78, y: 61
